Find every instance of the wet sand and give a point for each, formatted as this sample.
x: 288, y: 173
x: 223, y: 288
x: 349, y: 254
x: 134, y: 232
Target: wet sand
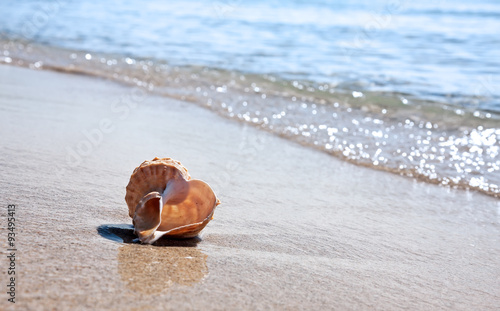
x: 297, y: 229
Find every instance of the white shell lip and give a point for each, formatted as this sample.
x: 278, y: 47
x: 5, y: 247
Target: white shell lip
x: 139, y: 222
x: 150, y: 239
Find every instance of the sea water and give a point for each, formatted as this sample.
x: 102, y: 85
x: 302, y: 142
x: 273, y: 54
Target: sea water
x: 410, y: 88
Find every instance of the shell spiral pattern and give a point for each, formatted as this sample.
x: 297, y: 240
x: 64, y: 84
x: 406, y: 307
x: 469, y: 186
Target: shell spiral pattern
x: 163, y: 200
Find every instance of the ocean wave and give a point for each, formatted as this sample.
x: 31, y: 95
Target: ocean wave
x: 395, y: 132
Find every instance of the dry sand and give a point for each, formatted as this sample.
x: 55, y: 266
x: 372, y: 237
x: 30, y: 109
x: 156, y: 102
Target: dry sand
x: 298, y: 229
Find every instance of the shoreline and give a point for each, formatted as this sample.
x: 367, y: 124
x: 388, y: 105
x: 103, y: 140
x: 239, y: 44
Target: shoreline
x: 296, y: 229
x: 397, y: 151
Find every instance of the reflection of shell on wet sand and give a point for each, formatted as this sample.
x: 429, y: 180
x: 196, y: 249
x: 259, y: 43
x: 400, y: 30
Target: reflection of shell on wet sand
x: 164, y: 200
x: 154, y: 269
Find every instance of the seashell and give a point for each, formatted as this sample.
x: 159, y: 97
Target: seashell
x: 163, y: 200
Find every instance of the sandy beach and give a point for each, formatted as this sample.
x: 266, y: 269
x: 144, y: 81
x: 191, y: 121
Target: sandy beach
x: 297, y: 229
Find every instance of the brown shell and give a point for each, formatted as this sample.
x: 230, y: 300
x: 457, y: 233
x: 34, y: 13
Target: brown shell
x: 152, y: 176
x: 188, y: 215
x: 192, y: 230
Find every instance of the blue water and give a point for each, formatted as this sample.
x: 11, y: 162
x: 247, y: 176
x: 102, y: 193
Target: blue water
x: 445, y: 51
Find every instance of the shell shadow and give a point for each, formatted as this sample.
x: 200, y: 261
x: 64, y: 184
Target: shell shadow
x: 151, y: 270
x: 124, y: 233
